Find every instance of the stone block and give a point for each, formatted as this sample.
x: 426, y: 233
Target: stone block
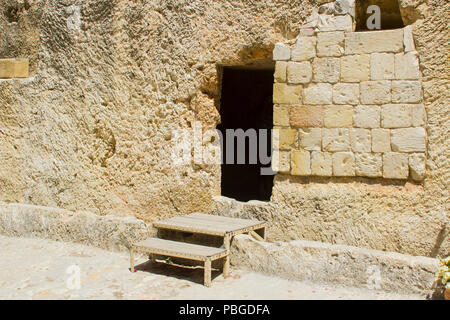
x: 346, y: 93
x: 382, y: 66
x: 366, y: 116
x: 281, y: 116
x: 355, y: 68
x: 300, y: 163
x: 381, y: 140
x: 318, y: 93
x: 343, y: 164
x: 281, y: 161
x: 396, y: 116
x: 408, y: 140
x: 326, y: 70
x: 406, y: 91
x: 286, y: 139
x: 338, y: 116
x: 368, y: 165
x: 280, y: 71
x: 417, y: 165
x: 408, y: 39
x: 299, y: 72
x: 335, y: 139
x: 13, y: 68
x: 310, y: 139
x: 374, y: 41
x: 335, y: 23
x: 306, y: 116
x: 407, y: 66
x: 321, y: 164
x: 419, y: 116
x: 287, y: 94
x: 375, y: 92
x: 330, y: 44
x: 395, y: 165
x: 360, y: 140
x: 281, y: 52
x: 304, y: 49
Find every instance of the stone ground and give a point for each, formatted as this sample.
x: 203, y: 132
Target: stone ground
x: 42, y: 269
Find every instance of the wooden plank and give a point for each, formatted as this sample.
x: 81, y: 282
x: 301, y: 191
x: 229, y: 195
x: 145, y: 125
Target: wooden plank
x: 226, y: 263
x: 207, y: 273
x: 131, y: 259
x: 256, y: 236
x: 180, y: 249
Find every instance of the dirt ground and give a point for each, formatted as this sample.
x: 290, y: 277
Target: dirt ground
x: 45, y: 269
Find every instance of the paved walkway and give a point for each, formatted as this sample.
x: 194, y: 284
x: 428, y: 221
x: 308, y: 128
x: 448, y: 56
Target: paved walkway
x: 45, y: 269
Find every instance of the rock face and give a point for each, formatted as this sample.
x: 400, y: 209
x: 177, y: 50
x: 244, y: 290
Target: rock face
x: 91, y: 129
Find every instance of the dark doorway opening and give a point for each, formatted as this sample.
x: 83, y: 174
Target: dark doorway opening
x: 246, y: 103
x: 391, y: 17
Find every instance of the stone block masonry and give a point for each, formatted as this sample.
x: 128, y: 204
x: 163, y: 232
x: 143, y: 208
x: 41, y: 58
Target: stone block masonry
x: 350, y: 104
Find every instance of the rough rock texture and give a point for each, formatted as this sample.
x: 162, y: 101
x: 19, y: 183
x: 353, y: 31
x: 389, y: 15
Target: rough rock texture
x: 107, y: 232
x: 345, y: 265
x: 91, y: 130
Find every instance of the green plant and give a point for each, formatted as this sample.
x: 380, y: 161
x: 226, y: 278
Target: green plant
x: 444, y: 272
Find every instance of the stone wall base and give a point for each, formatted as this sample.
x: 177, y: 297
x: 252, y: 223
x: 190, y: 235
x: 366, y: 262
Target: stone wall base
x: 336, y: 264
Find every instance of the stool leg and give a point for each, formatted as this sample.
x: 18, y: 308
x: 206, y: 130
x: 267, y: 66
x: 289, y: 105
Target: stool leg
x: 226, y: 262
x: 131, y: 260
x: 207, y: 275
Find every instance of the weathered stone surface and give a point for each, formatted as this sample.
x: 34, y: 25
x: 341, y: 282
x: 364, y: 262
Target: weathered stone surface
x: 287, y: 94
x: 300, y: 163
x: 419, y: 115
x: 310, y: 139
x: 306, y: 116
x: 321, y: 164
x: 406, y: 91
x: 13, y: 68
x: 299, y: 72
x: 355, y: 68
x: 326, y: 70
x: 395, y: 165
x: 360, y: 140
x: 381, y: 140
x: 281, y: 161
x: 408, y: 39
x: 368, y: 165
x: 281, y: 52
x: 407, y: 66
x: 330, y: 44
x: 331, y: 263
x: 396, y: 116
x: 366, y: 116
x: 107, y: 232
x: 304, y: 49
x: 375, y: 92
x: 408, y: 140
x: 286, y: 138
x: 346, y: 93
x: 318, y: 93
x: 335, y: 23
x: 343, y: 164
x: 374, y: 41
x: 382, y: 66
x: 338, y: 116
x: 281, y: 116
x: 417, y: 166
x: 280, y: 71
x: 335, y: 139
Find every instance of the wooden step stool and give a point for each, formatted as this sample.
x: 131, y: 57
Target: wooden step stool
x: 200, y: 223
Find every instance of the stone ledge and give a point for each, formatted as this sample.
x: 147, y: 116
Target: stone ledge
x: 106, y: 232
x: 337, y: 264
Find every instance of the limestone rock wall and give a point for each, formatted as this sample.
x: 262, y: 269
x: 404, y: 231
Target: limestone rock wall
x: 91, y: 129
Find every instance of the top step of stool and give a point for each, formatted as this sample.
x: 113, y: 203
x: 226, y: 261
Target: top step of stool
x: 210, y: 224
